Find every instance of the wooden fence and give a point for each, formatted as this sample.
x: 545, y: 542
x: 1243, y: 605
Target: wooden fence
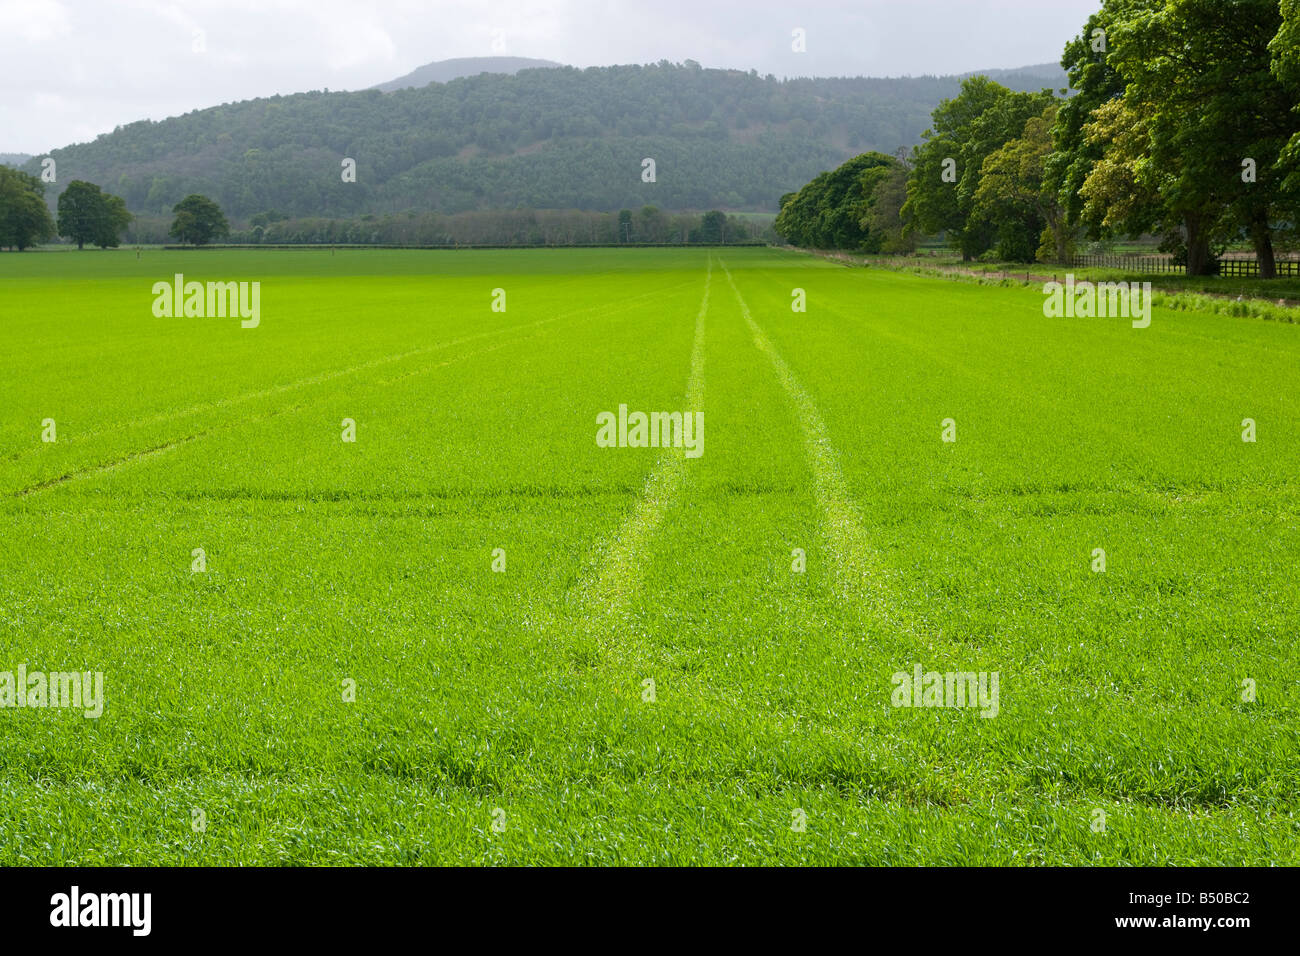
x: 1235, y: 266
x: 1154, y: 264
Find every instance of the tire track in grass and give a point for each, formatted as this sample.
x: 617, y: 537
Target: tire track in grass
x: 859, y: 572
x: 163, y: 447
x: 238, y: 423
x: 319, y: 378
x: 606, y: 599
x: 106, y: 466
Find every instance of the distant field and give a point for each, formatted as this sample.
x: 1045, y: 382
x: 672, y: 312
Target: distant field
x: 503, y: 716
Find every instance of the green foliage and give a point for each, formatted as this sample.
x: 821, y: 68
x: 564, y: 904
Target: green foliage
x: 1186, y: 95
x: 116, y: 220
x: 1285, y: 50
x: 1184, y: 123
x: 833, y: 211
x: 713, y: 226
x: 507, y: 227
x: 967, y: 130
x: 198, y: 220
x: 1087, y: 64
x: 883, y: 219
x: 86, y: 214
x: 24, y: 218
x: 1017, y: 197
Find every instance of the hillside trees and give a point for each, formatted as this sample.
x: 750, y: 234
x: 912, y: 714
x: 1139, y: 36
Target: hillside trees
x: 544, y: 139
x: 512, y: 227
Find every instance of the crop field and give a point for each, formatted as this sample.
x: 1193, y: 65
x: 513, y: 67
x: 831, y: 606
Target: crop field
x: 475, y: 634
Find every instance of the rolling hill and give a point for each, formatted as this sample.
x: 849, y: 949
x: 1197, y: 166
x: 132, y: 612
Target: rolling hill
x: 552, y: 138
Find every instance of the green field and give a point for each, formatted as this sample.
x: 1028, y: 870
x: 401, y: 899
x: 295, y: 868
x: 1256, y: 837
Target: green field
x: 501, y: 717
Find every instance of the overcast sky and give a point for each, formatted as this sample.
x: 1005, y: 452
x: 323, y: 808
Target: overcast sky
x: 73, y: 69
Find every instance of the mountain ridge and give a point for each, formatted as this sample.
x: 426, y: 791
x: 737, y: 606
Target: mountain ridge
x: 444, y: 71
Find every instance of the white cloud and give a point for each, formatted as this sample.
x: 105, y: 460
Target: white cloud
x: 133, y: 59
x: 33, y: 21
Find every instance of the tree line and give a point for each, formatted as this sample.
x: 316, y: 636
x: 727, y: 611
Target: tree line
x: 508, y: 227
x: 1184, y: 126
x: 88, y: 215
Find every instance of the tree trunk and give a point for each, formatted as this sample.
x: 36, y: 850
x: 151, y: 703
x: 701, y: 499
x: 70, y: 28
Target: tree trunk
x: 1198, y: 248
x: 1056, y: 223
x: 1261, y: 236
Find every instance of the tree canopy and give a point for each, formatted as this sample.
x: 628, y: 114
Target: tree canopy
x: 87, y: 214
x: 948, y: 168
x: 832, y: 211
x: 24, y: 218
x: 198, y: 221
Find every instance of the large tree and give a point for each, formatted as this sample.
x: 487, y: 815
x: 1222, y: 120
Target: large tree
x: 948, y: 165
x: 1200, y: 76
x: 1016, y: 195
x: 80, y: 209
x: 1285, y: 49
x: 713, y: 226
x: 24, y: 218
x: 87, y: 214
x: 832, y: 211
x: 198, y: 220
x: 114, y: 222
x: 1086, y: 62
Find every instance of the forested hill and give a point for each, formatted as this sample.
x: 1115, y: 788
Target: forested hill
x: 542, y: 138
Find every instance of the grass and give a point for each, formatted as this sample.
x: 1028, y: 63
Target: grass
x: 520, y: 697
